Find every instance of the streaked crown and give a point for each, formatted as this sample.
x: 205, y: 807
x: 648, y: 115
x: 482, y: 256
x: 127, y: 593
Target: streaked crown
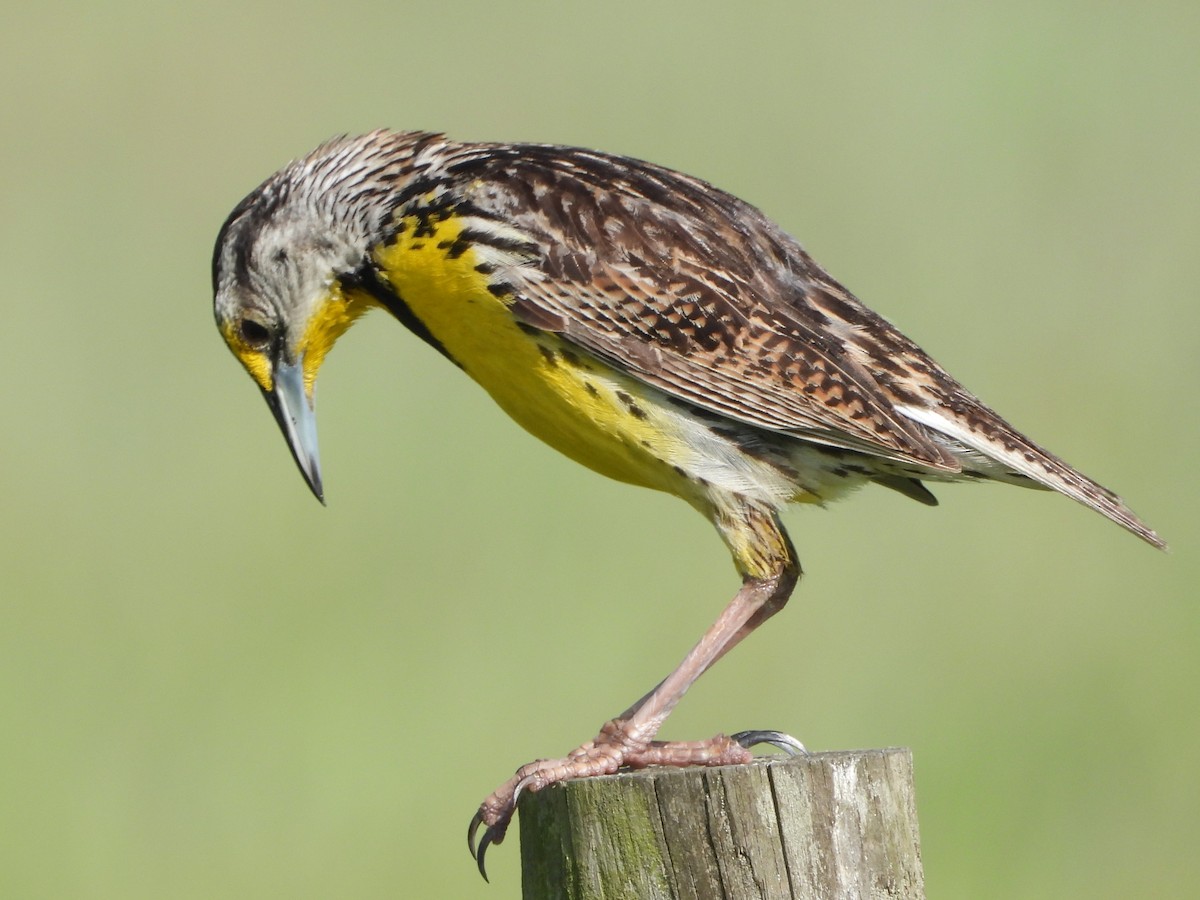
x: 286, y: 245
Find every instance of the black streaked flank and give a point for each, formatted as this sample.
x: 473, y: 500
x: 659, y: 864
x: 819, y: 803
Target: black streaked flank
x: 457, y: 248
x: 631, y: 405
x: 572, y: 358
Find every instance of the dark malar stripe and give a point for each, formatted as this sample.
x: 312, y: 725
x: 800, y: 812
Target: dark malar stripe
x: 369, y: 279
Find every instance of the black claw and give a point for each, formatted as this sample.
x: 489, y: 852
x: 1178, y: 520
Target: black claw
x: 784, y: 742
x: 476, y: 821
x: 483, y: 845
x: 493, y: 834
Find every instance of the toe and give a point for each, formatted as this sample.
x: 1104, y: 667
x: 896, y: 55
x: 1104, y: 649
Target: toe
x: 784, y: 742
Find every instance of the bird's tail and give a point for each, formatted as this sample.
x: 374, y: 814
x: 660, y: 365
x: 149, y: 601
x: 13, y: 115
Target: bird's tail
x: 978, y: 428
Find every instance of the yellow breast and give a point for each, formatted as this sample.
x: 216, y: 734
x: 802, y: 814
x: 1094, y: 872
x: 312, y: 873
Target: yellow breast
x: 580, y: 406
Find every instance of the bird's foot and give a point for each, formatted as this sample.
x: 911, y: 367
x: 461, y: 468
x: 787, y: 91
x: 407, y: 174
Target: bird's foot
x: 617, y: 746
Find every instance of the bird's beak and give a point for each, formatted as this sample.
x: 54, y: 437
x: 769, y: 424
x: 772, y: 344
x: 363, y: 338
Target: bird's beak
x: 297, y: 420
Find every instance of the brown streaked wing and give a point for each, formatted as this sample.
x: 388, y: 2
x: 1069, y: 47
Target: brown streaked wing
x: 696, y: 293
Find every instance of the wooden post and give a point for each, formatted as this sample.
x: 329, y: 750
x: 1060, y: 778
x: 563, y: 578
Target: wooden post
x: 829, y: 825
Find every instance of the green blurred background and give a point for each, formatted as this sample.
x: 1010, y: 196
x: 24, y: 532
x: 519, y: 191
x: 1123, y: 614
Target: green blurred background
x: 212, y: 687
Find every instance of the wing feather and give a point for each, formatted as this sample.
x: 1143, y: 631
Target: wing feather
x: 695, y: 293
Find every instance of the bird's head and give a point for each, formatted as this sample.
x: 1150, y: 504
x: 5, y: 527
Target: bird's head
x: 290, y: 265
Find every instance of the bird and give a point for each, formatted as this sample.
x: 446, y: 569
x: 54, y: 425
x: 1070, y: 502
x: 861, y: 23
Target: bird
x: 641, y: 321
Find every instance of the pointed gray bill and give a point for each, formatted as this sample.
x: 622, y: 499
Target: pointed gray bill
x: 298, y: 421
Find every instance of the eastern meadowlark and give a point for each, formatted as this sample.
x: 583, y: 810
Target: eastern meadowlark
x: 644, y: 323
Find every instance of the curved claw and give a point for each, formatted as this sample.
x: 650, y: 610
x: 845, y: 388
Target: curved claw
x: 784, y: 742
x: 483, y: 845
x: 476, y: 821
x: 520, y: 789
x: 493, y: 834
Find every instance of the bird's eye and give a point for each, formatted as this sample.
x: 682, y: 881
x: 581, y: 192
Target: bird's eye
x: 253, y: 333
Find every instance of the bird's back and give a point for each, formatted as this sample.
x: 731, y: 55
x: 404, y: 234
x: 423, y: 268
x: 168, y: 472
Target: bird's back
x: 699, y: 295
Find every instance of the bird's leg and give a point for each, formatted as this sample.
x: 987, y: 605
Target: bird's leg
x: 764, y: 612
x: 769, y: 570
x: 747, y: 534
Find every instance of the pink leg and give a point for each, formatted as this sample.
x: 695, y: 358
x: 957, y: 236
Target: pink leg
x: 628, y: 739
